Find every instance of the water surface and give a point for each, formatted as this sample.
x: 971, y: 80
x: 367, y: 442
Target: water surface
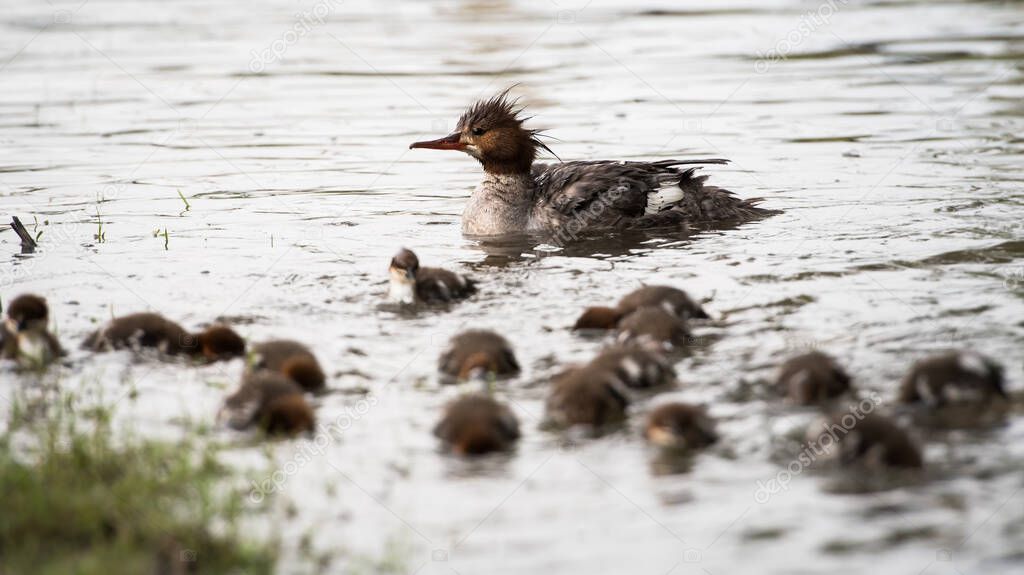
x: 888, y: 132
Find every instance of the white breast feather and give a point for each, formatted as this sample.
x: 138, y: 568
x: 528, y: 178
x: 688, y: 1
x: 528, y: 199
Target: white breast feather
x: 401, y: 292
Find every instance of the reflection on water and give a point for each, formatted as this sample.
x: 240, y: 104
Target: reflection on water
x: 889, y: 133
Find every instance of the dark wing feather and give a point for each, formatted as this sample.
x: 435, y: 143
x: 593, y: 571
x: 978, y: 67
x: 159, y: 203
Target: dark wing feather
x: 612, y: 194
x: 604, y: 191
x: 440, y: 285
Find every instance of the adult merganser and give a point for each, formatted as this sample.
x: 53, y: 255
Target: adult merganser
x: 142, y: 330
x: 410, y: 283
x: 291, y: 359
x: 478, y: 353
x: 517, y: 195
x: 672, y: 300
x: 812, y: 378
x: 271, y: 402
x: 24, y: 336
x: 680, y: 426
x: 476, y: 424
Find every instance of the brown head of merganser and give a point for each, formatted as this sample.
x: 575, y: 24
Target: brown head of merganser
x: 863, y: 439
x: 25, y: 337
x: 150, y: 330
x: 680, y: 426
x: 411, y: 283
x: 291, y: 359
x: 271, y: 402
x: 478, y: 353
x: 476, y: 424
x: 586, y: 395
x: 812, y: 378
x: 655, y: 328
x: 672, y: 300
x: 636, y: 367
x: 518, y: 195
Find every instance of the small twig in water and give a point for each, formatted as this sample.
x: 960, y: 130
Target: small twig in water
x: 182, y: 196
x: 167, y: 238
x: 100, y: 236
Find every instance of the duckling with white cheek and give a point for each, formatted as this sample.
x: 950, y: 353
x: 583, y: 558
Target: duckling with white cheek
x: 410, y: 283
x: 25, y: 335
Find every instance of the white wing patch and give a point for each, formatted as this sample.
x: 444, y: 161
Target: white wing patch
x: 657, y: 200
x: 973, y: 363
x: 632, y: 368
x: 924, y: 390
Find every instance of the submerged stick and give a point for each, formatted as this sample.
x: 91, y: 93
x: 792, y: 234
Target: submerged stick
x: 28, y: 243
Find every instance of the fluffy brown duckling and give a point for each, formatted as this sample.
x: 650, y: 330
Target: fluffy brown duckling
x: 271, y: 402
x: 812, y: 378
x: 150, y: 330
x: 476, y: 424
x: 955, y: 390
x: 588, y: 395
x: 478, y: 353
x: 291, y: 359
x: 410, y: 283
x: 655, y: 328
x: 25, y: 337
x: 636, y: 367
x: 680, y: 426
x: 868, y: 440
x: 672, y: 300
x: 951, y: 378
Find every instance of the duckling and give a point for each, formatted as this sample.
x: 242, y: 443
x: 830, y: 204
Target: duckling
x: 655, y: 328
x: 868, y: 440
x: 673, y: 301
x: 636, y: 367
x: 271, y: 402
x: 597, y: 318
x: 25, y: 337
x: 812, y: 378
x: 476, y: 424
x: 142, y: 330
x: 680, y: 426
x: 410, y: 283
x: 478, y: 353
x: 589, y: 395
x: 291, y: 359
x: 953, y: 377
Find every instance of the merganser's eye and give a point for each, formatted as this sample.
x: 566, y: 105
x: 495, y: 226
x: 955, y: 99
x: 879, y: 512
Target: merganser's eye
x: 478, y: 131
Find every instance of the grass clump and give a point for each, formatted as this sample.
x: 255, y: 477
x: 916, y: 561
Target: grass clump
x: 77, y: 499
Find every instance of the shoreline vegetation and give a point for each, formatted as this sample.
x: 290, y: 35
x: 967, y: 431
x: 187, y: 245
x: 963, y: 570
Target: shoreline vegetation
x: 79, y: 498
